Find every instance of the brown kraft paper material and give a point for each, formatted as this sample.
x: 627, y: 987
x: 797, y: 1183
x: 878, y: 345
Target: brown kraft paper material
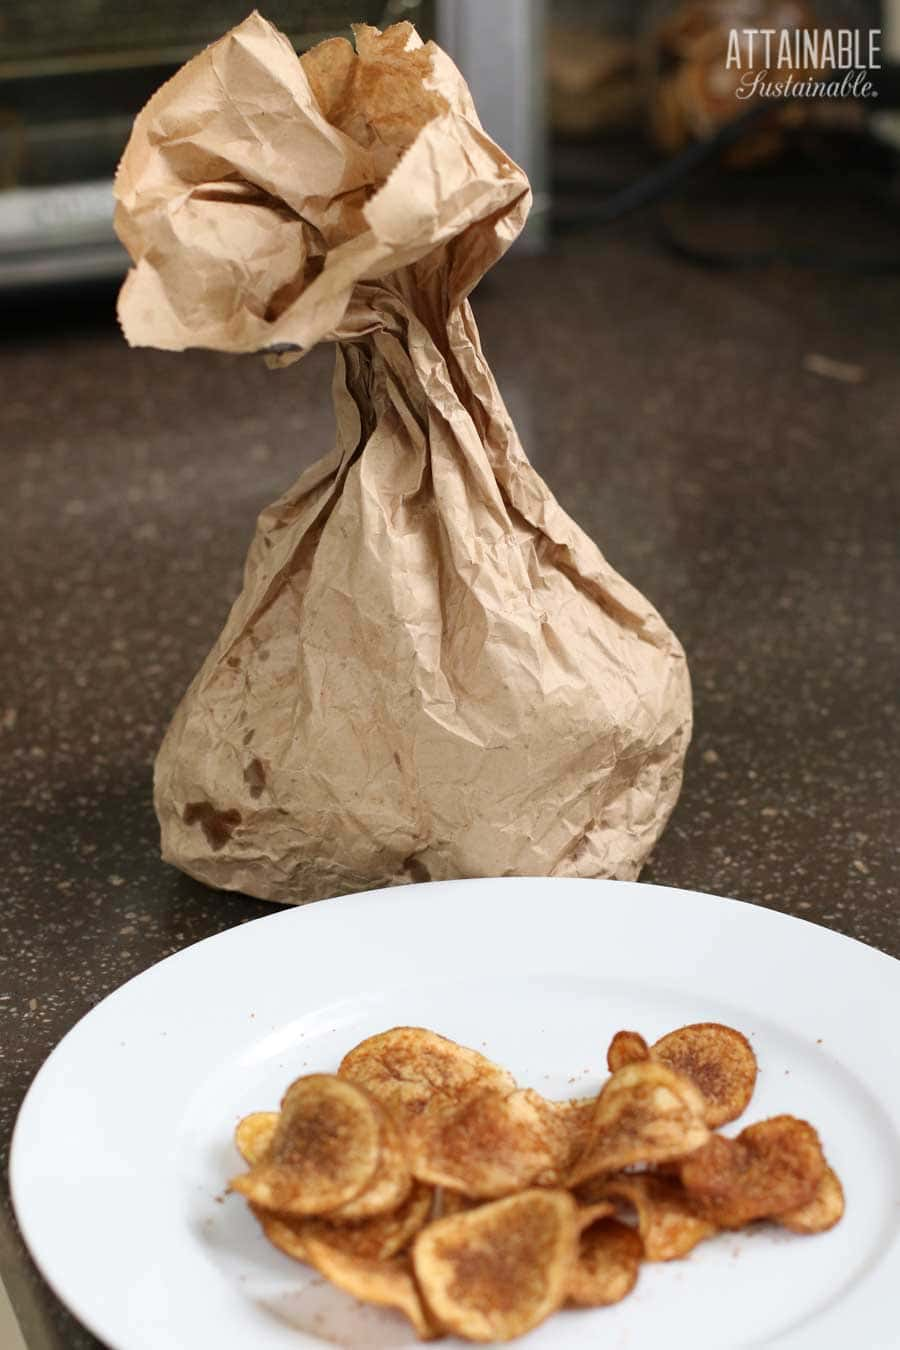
x: 431, y: 671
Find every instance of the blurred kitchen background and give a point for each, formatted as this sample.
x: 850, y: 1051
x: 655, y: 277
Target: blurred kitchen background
x: 613, y: 107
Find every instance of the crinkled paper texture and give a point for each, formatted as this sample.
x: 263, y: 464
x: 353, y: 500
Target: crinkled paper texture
x: 431, y: 671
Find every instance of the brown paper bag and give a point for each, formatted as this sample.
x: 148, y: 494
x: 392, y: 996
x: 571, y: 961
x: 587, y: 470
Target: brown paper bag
x: 431, y: 671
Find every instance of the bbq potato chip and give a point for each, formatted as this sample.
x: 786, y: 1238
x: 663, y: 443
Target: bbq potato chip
x: 645, y: 1113
x: 485, y: 1242
x: 494, y: 1272
x: 771, y: 1168
x: 324, y: 1151
x: 452, y: 1202
x: 391, y: 1183
x: 375, y: 1239
x: 284, y: 1231
x: 607, y: 1265
x: 253, y: 1135
x: 670, y: 1220
x: 574, y: 1118
x: 718, y: 1060
x: 589, y: 1212
x: 411, y: 1070
x: 820, y: 1213
x: 626, y: 1047
x: 387, y: 1283
x: 491, y: 1145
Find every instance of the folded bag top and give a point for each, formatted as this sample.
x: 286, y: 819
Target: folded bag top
x: 431, y: 671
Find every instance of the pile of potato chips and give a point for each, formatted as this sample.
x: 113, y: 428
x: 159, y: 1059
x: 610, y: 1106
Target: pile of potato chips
x: 421, y: 1177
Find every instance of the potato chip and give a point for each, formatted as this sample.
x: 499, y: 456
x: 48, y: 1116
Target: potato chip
x: 423, y: 1179
x: 645, y: 1113
x: 718, y: 1060
x: 253, y: 1135
x: 285, y: 1231
x: 412, y: 1070
x: 452, y: 1202
x: 391, y: 1183
x: 606, y: 1269
x: 820, y: 1213
x: 574, y: 1117
x: 491, y: 1145
x: 375, y: 1239
x: 495, y: 1272
x: 589, y: 1213
x: 324, y: 1151
x: 626, y: 1047
x: 670, y: 1220
x: 771, y: 1168
x: 389, y: 1284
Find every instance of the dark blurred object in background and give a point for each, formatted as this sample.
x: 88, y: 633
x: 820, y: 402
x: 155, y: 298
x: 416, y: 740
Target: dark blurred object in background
x: 691, y: 91
x: 721, y: 178
x: 663, y: 65
x: 593, y: 75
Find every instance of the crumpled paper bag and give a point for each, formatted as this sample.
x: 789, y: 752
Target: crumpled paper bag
x: 431, y: 671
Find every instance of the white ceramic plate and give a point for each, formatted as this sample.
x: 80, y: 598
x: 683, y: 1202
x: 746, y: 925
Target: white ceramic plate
x: 123, y: 1146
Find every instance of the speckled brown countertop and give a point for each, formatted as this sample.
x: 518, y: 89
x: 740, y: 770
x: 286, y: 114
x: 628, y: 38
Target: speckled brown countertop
x: 753, y: 500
